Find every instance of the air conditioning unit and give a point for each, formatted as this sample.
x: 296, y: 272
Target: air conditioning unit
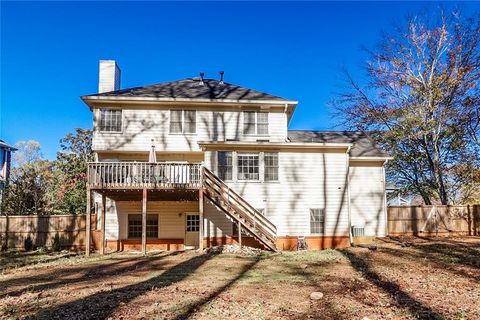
x: 358, y: 231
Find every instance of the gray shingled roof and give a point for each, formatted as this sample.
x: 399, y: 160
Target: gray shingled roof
x: 4, y: 145
x: 363, y: 145
x: 192, y: 88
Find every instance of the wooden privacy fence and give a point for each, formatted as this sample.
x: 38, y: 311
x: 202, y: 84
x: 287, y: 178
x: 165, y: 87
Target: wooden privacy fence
x: 42, y: 230
x: 414, y: 220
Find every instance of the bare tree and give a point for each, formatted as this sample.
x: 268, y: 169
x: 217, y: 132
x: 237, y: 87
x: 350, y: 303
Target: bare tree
x: 422, y: 102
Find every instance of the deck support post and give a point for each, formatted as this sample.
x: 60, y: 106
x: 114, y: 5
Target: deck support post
x: 200, y: 218
x: 104, y: 218
x: 144, y: 222
x: 239, y: 234
x: 88, y: 226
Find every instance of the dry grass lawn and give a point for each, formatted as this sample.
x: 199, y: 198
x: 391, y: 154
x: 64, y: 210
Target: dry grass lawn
x: 408, y: 278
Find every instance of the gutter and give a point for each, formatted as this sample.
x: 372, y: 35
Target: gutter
x: 371, y: 159
x: 87, y: 99
x: 385, y: 196
x: 350, y: 235
x: 308, y: 145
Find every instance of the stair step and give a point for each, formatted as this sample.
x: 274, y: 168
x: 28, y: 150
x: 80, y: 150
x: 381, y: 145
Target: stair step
x: 238, y: 213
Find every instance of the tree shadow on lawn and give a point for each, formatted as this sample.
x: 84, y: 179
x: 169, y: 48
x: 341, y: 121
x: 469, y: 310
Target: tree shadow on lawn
x: 101, y: 304
x: 199, y: 304
x: 56, y: 278
x: 448, y: 263
x: 12, y: 260
x: 325, y: 308
x: 401, y: 298
x: 445, y: 251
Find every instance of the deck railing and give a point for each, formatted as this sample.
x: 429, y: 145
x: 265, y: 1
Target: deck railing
x: 111, y: 175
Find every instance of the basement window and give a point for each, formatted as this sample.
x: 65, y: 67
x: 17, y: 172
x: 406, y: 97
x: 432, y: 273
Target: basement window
x: 317, y: 221
x: 135, y: 226
x: 110, y: 120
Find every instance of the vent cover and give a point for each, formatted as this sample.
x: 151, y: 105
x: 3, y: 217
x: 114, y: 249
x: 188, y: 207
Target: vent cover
x: 358, y: 231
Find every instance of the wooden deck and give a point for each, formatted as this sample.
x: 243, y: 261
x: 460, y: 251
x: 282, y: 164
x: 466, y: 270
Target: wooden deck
x: 153, y: 179
x: 143, y: 175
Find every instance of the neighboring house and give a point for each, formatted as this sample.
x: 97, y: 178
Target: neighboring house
x: 395, y: 197
x: 5, y: 160
x: 227, y: 170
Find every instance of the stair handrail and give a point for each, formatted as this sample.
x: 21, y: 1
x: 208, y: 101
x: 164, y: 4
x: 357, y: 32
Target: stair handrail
x: 244, y: 202
x: 268, y: 242
x: 253, y: 214
x: 246, y: 206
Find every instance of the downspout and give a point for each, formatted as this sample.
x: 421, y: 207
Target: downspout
x: 385, y: 197
x: 348, y: 196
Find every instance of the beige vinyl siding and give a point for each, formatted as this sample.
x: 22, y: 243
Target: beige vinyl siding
x: 367, y: 197
x: 111, y: 224
x: 306, y: 180
x: 171, y: 219
x: 141, y: 125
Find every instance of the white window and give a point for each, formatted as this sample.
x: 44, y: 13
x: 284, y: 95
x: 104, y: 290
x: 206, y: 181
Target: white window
x: 317, y: 221
x: 262, y: 123
x: 176, y: 121
x: 271, y: 166
x: 248, y: 166
x: 255, y: 123
x: 190, y: 121
x: 183, y: 121
x: 225, y: 165
x: 110, y: 120
x: 193, y: 223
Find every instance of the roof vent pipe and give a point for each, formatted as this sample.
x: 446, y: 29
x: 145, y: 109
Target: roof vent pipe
x: 202, y: 74
x: 221, y: 77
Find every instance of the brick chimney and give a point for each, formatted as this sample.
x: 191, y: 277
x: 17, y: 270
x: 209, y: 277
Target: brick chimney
x: 108, y: 76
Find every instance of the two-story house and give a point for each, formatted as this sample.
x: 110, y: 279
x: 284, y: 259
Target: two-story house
x: 200, y: 162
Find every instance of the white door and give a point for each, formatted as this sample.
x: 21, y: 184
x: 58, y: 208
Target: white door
x: 192, y: 228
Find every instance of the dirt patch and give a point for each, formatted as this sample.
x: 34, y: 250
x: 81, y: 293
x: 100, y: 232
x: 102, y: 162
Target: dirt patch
x: 429, y: 279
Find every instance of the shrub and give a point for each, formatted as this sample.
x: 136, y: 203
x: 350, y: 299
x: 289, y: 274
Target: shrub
x: 28, y: 243
x: 56, y: 243
x: 42, y: 249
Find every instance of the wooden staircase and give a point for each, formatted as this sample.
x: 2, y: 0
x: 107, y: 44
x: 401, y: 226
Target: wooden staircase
x: 236, y: 207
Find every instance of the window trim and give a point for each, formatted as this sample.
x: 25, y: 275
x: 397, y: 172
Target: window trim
x: 257, y: 154
x: 182, y: 122
x: 139, y: 237
x: 265, y: 167
x: 98, y: 121
x: 232, y: 166
x: 321, y: 221
x: 192, y: 214
x: 256, y: 123
x: 261, y: 166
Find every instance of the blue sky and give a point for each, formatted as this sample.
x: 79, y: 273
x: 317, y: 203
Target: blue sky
x: 50, y: 53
